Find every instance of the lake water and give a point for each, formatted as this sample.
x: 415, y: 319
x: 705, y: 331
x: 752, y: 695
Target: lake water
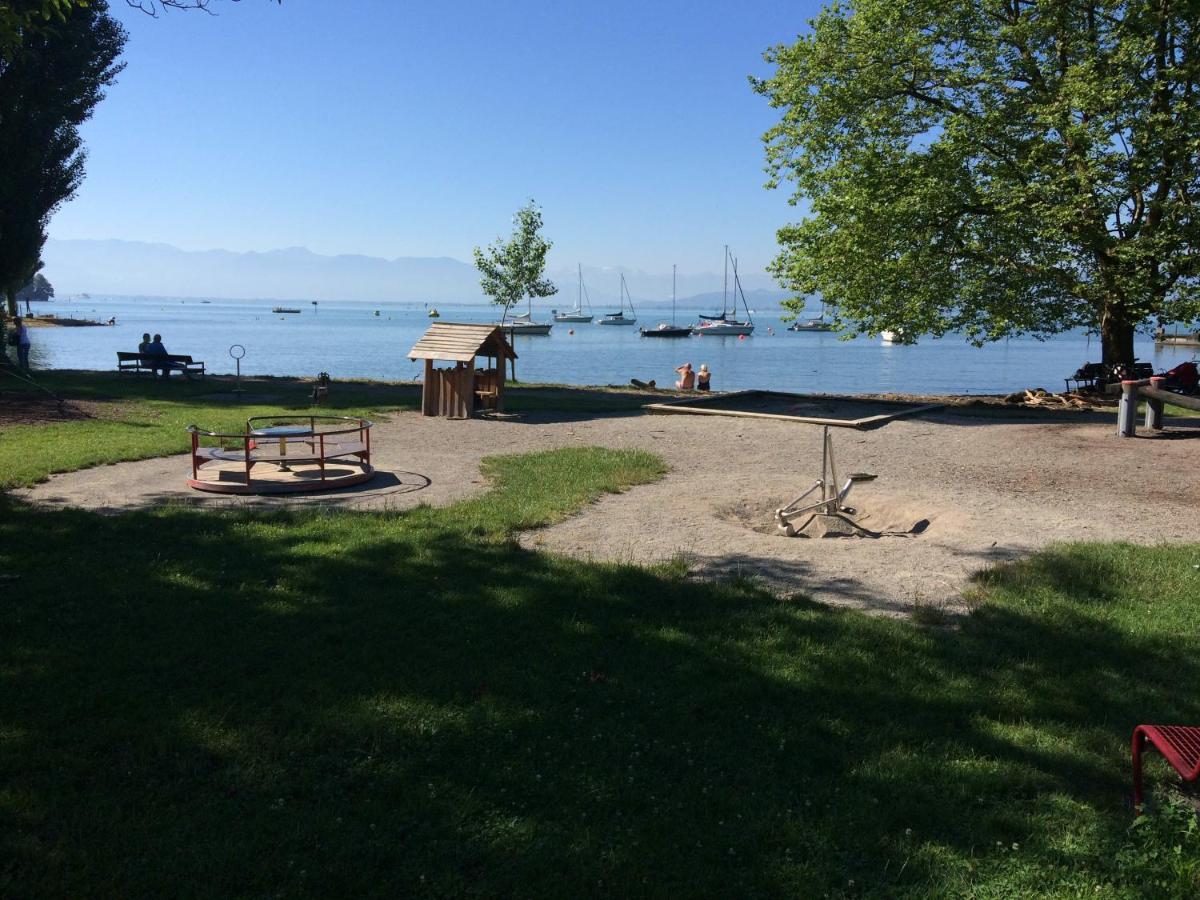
x: 348, y: 340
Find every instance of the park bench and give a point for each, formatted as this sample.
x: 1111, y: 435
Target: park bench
x: 140, y: 363
x: 1097, y: 376
x: 1179, y: 745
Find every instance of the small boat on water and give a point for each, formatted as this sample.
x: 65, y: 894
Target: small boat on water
x: 619, y: 318
x: 577, y: 314
x: 816, y: 324
x: 671, y: 330
x: 433, y: 313
x: 1177, y: 338
x: 723, y: 324
x: 896, y: 336
x: 290, y: 310
x: 522, y: 323
x: 314, y: 302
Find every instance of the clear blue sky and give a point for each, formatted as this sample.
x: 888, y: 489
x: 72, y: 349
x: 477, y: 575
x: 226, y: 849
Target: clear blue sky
x: 392, y: 128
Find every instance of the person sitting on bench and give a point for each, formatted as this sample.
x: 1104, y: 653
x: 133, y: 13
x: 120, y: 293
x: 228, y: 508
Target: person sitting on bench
x: 156, y: 348
x: 144, y: 346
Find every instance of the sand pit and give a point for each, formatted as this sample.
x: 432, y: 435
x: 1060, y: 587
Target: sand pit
x: 987, y: 488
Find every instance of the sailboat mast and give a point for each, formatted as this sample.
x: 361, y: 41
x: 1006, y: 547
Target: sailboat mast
x: 672, y: 293
x: 579, y: 300
x: 725, y: 294
x: 737, y: 283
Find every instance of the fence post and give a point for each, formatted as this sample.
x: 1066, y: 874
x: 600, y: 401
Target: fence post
x: 1154, y: 406
x: 1127, y: 411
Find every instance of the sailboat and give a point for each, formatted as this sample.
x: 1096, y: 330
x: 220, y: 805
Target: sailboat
x: 817, y: 324
x: 522, y: 323
x: 619, y: 318
x: 723, y: 324
x: 577, y: 314
x: 672, y: 330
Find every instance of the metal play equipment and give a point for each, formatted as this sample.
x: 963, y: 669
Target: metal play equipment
x: 303, y: 453
x: 830, y: 511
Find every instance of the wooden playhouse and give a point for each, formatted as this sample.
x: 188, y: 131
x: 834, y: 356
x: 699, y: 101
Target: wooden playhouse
x: 459, y: 391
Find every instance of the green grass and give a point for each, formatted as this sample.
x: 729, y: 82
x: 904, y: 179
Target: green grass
x: 141, y: 418
x: 369, y: 703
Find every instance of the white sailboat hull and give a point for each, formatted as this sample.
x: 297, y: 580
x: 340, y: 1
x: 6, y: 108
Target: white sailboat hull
x: 617, y: 320
x: 515, y: 328
x: 724, y: 328
x: 572, y: 317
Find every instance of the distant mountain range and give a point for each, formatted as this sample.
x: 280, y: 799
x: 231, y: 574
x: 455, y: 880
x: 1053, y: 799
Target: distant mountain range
x: 135, y: 268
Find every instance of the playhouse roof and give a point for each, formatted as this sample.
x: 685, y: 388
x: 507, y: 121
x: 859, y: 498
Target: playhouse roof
x: 461, y: 342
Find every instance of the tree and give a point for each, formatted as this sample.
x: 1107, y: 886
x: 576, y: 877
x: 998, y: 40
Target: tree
x: 38, y: 290
x: 999, y: 167
x: 21, y: 18
x: 47, y: 91
x: 510, y: 271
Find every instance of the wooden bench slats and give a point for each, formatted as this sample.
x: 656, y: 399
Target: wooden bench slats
x: 142, y: 362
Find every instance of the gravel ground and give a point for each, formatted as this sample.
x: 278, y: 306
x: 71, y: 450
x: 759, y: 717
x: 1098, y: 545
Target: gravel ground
x: 977, y: 488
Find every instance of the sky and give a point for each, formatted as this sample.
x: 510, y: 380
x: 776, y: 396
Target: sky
x: 391, y: 128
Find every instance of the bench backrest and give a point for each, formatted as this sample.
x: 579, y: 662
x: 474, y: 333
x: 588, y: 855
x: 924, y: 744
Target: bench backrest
x: 123, y: 356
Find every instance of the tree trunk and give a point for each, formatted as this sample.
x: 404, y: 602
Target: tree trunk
x: 1116, y: 339
x: 11, y: 299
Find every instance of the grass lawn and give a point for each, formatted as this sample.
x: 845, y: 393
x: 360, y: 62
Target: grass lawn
x: 346, y: 703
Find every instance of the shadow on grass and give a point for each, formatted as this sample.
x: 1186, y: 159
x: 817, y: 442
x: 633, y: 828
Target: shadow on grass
x: 364, y: 704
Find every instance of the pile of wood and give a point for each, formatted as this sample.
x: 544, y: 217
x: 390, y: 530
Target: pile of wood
x: 1040, y: 397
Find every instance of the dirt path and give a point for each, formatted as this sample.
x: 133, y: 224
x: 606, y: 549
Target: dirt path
x: 988, y: 488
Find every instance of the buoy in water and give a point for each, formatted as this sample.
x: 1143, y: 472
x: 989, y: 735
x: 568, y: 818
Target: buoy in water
x: 570, y: 331
x: 741, y: 337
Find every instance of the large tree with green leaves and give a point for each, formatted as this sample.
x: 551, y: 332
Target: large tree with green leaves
x: 22, y: 18
x: 512, y: 270
x: 47, y: 90
x: 998, y: 167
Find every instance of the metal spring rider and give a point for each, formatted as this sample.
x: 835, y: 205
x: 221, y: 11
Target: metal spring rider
x: 832, y: 499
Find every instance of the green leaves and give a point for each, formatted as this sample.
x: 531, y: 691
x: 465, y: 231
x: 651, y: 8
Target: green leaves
x: 510, y: 271
x: 47, y: 90
x: 992, y: 166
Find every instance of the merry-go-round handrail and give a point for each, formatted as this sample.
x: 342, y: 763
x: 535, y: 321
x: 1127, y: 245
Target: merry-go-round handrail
x: 360, y: 425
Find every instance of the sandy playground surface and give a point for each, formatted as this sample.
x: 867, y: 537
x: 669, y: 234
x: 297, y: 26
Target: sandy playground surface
x: 984, y: 488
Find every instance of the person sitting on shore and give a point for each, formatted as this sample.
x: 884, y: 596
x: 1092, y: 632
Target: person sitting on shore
x: 144, y: 346
x: 687, y: 377
x: 703, y: 378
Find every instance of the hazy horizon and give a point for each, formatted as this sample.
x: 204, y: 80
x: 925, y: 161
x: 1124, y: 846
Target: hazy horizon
x: 125, y: 268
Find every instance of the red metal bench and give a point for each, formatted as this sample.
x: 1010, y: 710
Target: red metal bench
x: 1179, y: 744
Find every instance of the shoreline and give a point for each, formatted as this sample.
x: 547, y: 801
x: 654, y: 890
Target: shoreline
x: 989, y: 405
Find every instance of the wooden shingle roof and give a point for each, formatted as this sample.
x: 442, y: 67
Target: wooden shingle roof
x: 461, y: 342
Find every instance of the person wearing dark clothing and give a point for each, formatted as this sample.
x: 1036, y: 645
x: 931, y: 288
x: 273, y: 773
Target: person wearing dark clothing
x: 144, y: 346
x: 156, y: 348
x: 703, y: 377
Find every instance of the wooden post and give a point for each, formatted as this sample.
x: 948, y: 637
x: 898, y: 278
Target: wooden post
x: 1127, y: 411
x: 429, y: 391
x: 1154, y: 406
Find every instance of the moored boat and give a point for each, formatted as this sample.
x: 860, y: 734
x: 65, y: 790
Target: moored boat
x: 619, y: 318
x: 577, y: 314
x: 665, y: 329
x: 289, y: 310
x: 724, y: 324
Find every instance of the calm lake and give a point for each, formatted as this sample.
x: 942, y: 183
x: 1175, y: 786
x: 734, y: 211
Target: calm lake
x: 348, y: 340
